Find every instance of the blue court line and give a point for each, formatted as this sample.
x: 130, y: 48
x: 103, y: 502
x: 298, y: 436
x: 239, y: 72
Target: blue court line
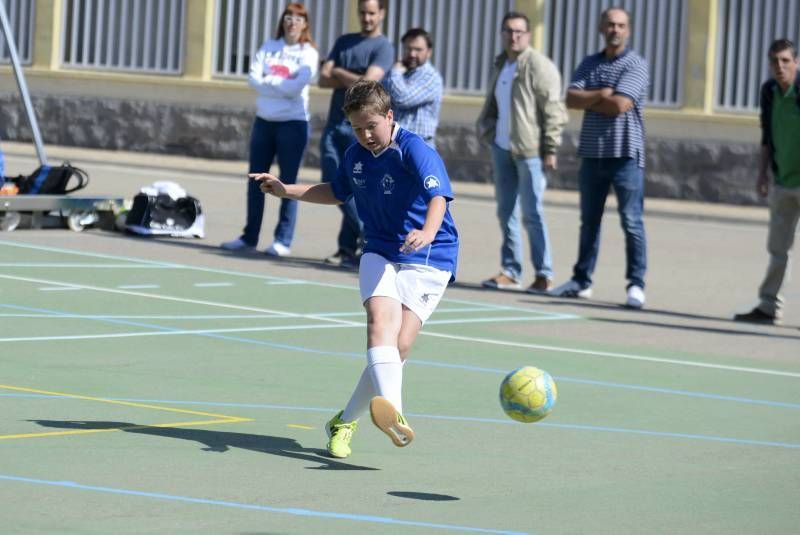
x: 466, y: 367
x: 608, y: 384
x: 255, y: 507
x: 471, y: 419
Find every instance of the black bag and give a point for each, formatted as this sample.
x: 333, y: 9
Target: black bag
x: 52, y: 180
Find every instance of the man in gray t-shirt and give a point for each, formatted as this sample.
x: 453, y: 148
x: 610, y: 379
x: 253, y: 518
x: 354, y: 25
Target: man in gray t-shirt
x: 369, y: 55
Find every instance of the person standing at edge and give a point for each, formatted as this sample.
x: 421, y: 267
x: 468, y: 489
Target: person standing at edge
x: 611, y: 87
x: 368, y: 55
x: 522, y: 121
x: 780, y: 132
x: 280, y: 73
x: 416, y: 87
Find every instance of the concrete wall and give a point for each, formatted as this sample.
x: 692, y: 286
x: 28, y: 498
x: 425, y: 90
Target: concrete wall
x: 683, y: 165
x: 693, y: 152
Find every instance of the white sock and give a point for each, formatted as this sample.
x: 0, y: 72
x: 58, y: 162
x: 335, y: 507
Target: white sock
x: 386, y: 370
x: 359, y: 401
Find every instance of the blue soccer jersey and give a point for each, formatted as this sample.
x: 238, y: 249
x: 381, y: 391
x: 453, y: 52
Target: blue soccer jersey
x: 392, y: 191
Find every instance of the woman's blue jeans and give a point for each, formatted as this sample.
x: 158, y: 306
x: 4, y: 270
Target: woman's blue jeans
x: 287, y: 140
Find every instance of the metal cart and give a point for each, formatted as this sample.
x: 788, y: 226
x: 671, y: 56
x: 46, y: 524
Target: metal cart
x: 76, y: 212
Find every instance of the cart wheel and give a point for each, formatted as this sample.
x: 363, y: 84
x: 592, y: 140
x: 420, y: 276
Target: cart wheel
x: 78, y: 221
x: 9, y: 221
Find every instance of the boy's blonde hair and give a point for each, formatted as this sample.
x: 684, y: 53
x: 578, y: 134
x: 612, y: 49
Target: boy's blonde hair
x: 368, y: 96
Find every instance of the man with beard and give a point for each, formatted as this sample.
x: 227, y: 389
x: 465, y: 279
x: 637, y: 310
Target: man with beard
x: 416, y: 86
x: 611, y: 87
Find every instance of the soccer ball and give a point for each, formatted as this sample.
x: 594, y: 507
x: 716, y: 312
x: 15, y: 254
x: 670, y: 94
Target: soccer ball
x: 528, y: 394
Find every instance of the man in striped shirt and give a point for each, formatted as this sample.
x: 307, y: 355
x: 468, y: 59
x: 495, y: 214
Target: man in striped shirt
x: 416, y: 86
x: 611, y: 87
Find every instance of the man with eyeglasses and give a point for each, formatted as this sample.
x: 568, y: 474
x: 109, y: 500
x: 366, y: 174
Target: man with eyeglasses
x: 522, y: 121
x: 416, y: 86
x: 365, y: 55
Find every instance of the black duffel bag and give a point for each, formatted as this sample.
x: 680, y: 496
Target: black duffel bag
x: 52, y: 180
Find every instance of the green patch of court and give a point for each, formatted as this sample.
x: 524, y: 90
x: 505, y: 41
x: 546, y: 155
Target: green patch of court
x: 190, y: 399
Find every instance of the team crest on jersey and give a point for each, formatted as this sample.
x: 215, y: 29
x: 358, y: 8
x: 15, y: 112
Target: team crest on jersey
x: 431, y: 182
x: 387, y: 183
x: 358, y: 168
x: 360, y: 182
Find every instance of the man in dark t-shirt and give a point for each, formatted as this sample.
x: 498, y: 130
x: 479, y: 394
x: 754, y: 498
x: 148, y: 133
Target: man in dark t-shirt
x: 368, y: 55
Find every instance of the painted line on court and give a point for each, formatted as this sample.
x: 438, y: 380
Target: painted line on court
x: 165, y: 331
x: 294, y: 511
x: 59, y: 289
x: 623, y: 430
x: 171, y: 298
x: 626, y: 356
x: 211, y: 284
x: 348, y: 287
x: 591, y: 353
x: 188, y: 317
x: 122, y: 428
x: 168, y: 330
x: 577, y: 427
x: 62, y: 265
x: 138, y: 286
x: 217, y: 418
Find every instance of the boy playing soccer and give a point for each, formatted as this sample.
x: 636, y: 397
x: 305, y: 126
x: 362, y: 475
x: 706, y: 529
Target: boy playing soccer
x: 401, y: 190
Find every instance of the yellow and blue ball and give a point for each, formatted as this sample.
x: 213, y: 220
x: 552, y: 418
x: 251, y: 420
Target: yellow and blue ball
x: 528, y: 394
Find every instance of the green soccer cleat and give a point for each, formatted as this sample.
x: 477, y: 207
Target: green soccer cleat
x: 387, y: 419
x: 340, y: 434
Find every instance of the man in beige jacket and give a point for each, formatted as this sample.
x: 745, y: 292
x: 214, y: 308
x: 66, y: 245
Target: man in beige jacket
x: 522, y: 120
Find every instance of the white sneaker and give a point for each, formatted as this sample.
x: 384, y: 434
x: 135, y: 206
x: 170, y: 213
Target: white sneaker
x: 236, y: 245
x: 635, y: 297
x: 572, y: 288
x: 277, y: 249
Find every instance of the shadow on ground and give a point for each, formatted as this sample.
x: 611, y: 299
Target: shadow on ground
x: 427, y: 496
x: 218, y: 441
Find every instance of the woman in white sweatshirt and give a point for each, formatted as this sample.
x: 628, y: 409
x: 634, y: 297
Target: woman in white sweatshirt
x: 280, y: 73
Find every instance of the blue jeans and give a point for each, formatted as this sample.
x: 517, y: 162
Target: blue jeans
x: 597, y: 176
x: 287, y: 139
x: 519, y: 186
x: 335, y: 140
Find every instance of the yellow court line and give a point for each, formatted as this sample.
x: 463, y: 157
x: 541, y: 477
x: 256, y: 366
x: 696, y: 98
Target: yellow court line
x: 123, y: 428
x: 115, y: 402
x: 298, y: 426
x: 218, y: 418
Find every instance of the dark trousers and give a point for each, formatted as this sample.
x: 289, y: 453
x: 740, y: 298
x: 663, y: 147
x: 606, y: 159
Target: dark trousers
x: 335, y: 140
x: 287, y: 140
x: 597, y: 176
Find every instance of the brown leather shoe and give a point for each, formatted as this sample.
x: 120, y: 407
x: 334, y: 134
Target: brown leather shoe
x: 541, y: 285
x: 501, y: 281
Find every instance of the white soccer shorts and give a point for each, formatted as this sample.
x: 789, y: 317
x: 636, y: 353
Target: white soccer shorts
x: 418, y: 287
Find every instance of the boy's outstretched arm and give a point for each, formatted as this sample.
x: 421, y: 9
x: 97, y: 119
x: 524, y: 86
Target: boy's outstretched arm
x: 419, y: 238
x: 317, y: 193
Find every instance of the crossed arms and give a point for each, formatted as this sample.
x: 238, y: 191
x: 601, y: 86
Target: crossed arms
x: 341, y: 78
x: 601, y: 100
